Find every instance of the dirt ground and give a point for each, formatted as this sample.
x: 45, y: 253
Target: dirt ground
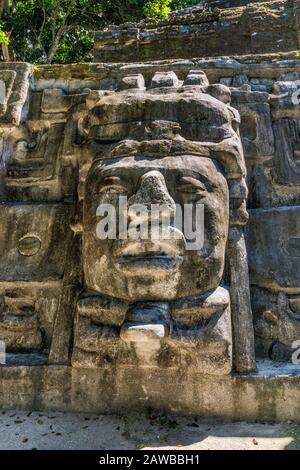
x: 150, y: 430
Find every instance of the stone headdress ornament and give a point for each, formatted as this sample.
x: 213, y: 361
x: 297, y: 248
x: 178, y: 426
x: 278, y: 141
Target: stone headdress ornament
x: 193, y: 118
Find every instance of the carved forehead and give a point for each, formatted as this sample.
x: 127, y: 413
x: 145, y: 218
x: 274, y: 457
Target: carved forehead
x: 158, y: 105
x: 119, y: 115
x: 182, y: 165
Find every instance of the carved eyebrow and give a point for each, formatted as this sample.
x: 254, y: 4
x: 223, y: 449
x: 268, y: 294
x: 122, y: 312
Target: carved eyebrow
x: 112, y: 181
x: 190, y: 183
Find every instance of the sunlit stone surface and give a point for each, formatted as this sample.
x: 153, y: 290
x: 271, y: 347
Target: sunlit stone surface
x: 131, y: 317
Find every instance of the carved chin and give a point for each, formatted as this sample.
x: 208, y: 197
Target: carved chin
x: 157, y: 285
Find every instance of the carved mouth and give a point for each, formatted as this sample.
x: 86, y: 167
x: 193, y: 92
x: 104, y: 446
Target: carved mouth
x: 145, y: 256
x: 147, y: 248
x: 148, y: 262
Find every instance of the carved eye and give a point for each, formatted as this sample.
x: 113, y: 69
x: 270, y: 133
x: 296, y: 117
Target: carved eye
x: 191, y: 185
x: 113, y: 185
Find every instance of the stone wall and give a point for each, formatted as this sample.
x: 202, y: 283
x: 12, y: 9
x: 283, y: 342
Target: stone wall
x: 58, y: 124
x: 44, y: 168
x: 254, y: 28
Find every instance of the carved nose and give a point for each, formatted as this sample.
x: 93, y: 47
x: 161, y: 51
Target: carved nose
x: 152, y: 189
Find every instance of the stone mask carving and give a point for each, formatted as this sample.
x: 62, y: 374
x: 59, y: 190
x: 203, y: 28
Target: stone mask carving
x: 139, y: 301
x: 152, y: 160
x: 156, y: 269
x: 168, y: 145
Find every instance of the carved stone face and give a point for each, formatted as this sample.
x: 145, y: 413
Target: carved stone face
x: 155, y: 269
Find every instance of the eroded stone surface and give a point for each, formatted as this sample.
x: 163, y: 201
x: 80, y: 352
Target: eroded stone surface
x: 219, y: 131
x: 212, y: 30
x: 64, y: 160
x: 160, y: 154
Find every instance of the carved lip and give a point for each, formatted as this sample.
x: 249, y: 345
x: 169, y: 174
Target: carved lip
x: 147, y: 262
x: 148, y: 248
x: 147, y: 255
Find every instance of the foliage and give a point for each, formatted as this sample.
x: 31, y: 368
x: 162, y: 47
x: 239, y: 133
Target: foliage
x: 179, y: 4
x: 161, y: 8
x: 61, y: 31
x: 3, y: 37
x: 157, y: 9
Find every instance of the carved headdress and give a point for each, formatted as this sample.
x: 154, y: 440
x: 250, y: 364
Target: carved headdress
x: 192, y: 118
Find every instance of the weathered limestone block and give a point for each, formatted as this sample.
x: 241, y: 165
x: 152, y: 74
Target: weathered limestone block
x: 133, y: 81
x: 170, y: 131
x: 164, y: 79
x: 42, y: 154
x: 273, y: 237
x: 276, y: 323
x: 251, y: 28
x: 273, y: 246
x: 196, y: 77
x: 287, y: 155
x: 277, y: 180
x: 175, y: 125
x: 256, y: 125
x: 65, y: 313
x: 7, y: 81
x: 14, y: 84
x: 285, y: 92
x: 35, y: 159
x: 27, y: 314
x: 33, y: 243
x: 149, y: 336
x: 54, y: 101
x: 29, y: 237
x: 175, y: 131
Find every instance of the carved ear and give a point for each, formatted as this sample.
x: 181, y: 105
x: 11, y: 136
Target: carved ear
x: 83, y: 126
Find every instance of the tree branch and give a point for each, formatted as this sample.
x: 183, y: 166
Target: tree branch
x: 57, y: 35
x: 55, y: 45
x: 43, y: 22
